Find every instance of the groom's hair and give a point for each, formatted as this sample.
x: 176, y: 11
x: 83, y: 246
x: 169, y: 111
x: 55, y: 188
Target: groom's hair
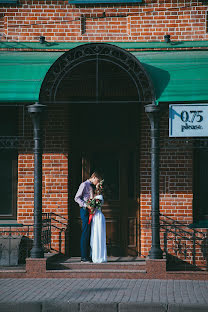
x: 96, y: 175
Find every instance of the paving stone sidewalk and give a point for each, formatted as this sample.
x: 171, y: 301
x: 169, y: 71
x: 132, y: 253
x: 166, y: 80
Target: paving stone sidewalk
x: 89, y: 295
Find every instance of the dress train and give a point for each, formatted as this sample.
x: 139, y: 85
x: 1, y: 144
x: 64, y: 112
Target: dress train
x: 98, y: 237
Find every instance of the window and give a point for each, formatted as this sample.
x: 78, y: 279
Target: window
x: 201, y: 185
x: 8, y: 164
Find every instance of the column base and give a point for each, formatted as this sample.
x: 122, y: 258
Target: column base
x: 36, y: 267
x: 37, y: 252
x: 155, y: 253
x: 156, y: 267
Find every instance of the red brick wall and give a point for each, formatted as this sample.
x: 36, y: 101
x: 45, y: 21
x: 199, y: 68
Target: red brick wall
x: 176, y: 176
x: 2, y: 25
x: 55, y: 173
x: 176, y: 195
x: 149, y: 21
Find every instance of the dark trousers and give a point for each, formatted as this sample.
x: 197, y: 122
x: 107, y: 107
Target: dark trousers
x: 85, y: 236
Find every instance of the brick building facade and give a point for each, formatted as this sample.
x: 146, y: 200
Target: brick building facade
x: 176, y: 73
x: 67, y: 22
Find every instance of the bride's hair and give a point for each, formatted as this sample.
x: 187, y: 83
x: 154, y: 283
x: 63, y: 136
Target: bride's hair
x: 96, y: 175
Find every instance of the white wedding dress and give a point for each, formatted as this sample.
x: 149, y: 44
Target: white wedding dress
x: 98, y: 236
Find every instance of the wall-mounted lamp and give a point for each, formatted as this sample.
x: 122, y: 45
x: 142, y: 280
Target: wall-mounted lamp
x: 167, y: 38
x: 42, y: 39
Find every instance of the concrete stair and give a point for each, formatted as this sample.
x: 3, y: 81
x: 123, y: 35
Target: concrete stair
x: 120, y: 266
x: 54, y: 266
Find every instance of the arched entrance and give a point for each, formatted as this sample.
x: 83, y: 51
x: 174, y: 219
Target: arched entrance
x: 105, y: 88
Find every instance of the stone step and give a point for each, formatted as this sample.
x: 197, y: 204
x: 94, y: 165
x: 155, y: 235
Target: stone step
x: 113, y: 264
x: 97, y: 273
x: 102, y: 266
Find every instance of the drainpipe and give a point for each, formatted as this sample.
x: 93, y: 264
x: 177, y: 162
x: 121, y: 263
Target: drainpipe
x: 153, y: 113
x: 36, y: 111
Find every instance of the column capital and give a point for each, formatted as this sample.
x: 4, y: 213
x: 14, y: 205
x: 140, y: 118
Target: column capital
x: 152, y: 108
x: 36, y: 108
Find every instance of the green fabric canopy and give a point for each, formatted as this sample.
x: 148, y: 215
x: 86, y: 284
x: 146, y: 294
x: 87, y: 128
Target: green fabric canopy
x: 177, y: 76
x: 22, y: 73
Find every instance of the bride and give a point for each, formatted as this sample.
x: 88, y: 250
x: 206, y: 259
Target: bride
x: 98, y: 230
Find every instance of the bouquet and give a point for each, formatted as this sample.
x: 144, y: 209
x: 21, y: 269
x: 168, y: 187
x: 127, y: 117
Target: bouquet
x: 96, y: 202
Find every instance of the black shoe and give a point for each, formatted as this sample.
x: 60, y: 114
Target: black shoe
x: 85, y: 260
x: 89, y: 259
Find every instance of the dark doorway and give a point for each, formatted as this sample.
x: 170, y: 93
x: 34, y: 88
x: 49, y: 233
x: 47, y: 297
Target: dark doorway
x: 105, y: 138
x: 108, y: 143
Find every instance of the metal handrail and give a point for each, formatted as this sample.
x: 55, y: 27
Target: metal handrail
x: 55, y: 214
x: 176, y: 223
x: 179, y: 234
x: 47, y: 234
x: 26, y: 230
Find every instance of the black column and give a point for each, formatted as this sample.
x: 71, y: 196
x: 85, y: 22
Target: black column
x: 153, y: 113
x: 36, y: 111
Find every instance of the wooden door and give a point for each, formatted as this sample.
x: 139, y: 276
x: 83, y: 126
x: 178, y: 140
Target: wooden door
x: 115, y: 156
x: 120, y: 207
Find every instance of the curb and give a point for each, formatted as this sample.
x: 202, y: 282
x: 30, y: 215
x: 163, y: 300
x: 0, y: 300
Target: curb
x: 100, y: 307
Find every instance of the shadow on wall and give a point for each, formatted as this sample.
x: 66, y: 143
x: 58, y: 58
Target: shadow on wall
x: 160, y: 78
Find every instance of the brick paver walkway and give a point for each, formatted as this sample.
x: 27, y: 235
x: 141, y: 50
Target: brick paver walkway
x: 104, y: 291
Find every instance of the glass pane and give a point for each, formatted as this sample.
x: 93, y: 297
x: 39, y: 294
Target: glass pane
x: 108, y: 165
x: 115, y: 83
x: 8, y: 120
x: 6, y: 182
x: 203, y: 172
x: 79, y: 84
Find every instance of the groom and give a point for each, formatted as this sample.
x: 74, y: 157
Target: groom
x: 85, y: 192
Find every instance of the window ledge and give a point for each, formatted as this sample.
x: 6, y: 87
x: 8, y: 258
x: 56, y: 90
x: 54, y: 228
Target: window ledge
x: 199, y: 225
x: 9, y: 1
x: 103, y: 1
x: 8, y: 223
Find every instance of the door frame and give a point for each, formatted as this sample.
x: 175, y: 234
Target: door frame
x: 77, y: 164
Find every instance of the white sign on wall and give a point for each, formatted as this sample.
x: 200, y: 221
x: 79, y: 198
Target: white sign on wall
x: 188, y: 120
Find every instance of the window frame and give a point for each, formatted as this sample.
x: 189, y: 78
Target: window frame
x: 198, y: 215
x: 13, y: 215
x: 14, y: 160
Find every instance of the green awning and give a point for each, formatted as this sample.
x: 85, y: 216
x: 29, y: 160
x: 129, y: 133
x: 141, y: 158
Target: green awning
x: 177, y: 76
x: 22, y: 73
